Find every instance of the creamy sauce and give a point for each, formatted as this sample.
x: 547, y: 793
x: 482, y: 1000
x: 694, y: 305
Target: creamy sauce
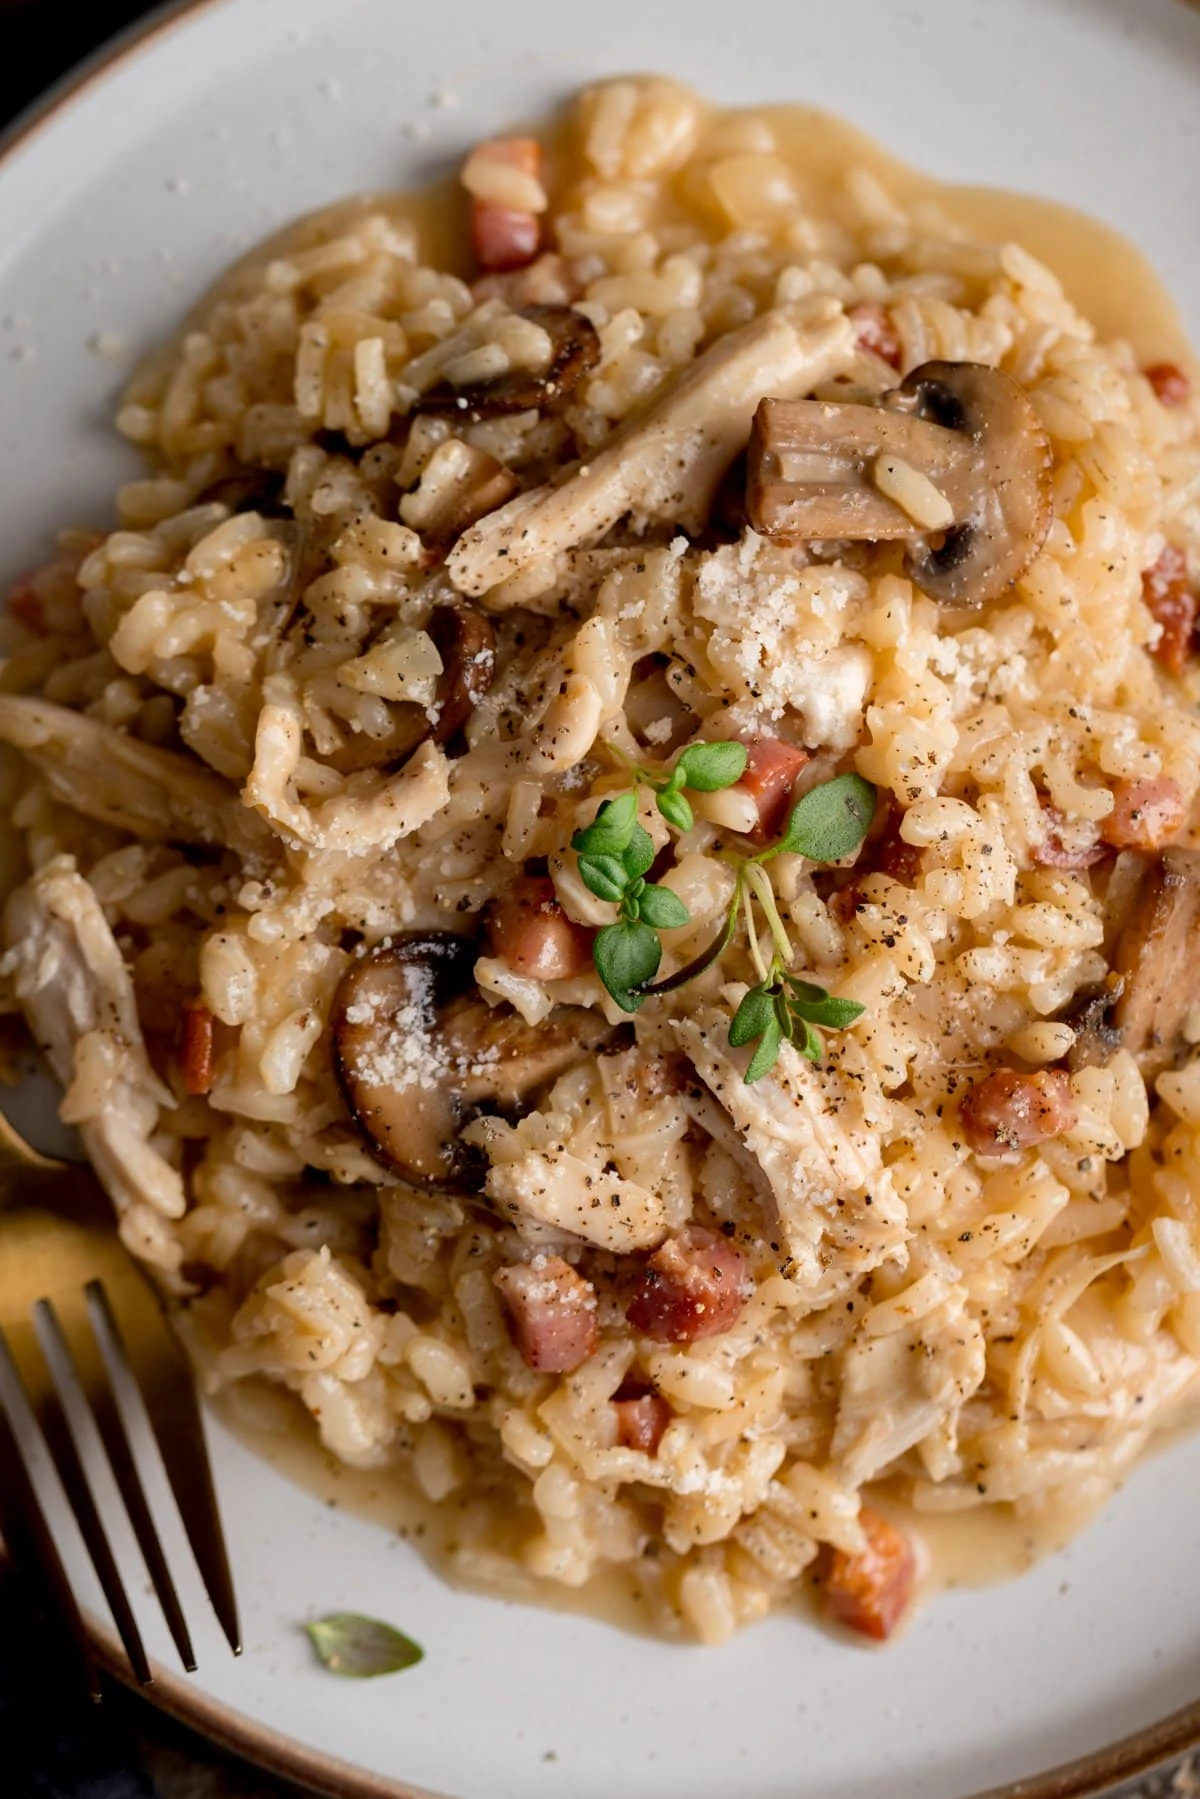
x: 1110, y: 280
x: 278, y: 1429
x: 1103, y: 274
x: 975, y: 1548
x: 1113, y: 284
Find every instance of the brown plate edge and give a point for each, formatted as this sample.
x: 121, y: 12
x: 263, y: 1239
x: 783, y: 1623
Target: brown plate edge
x: 1087, y: 1777
x: 264, y: 1749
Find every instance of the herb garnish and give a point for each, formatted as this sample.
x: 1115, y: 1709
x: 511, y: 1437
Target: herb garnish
x: 360, y: 1648
x: 616, y: 853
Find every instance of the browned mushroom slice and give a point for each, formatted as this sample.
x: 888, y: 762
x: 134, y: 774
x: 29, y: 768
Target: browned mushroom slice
x: 812, y: 462
x: 954, y: 460
x: 575, y: 351
x: 418, y: 1055
x: 1090, y: 1017
x: 1158, y: 956
x: 466, y: 643
x: 992, y: 545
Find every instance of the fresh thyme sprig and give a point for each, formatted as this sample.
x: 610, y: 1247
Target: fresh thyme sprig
x: 616, y: 853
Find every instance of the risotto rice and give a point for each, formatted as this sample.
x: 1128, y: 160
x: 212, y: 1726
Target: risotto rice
x: 301, y: 762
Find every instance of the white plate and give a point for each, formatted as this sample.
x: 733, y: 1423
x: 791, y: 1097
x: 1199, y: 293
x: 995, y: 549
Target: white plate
x: 114, y: 212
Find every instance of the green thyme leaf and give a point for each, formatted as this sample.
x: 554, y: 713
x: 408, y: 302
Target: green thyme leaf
x: 765, y: 1055
x: 612, y: 828
x: 662, y: 908
x: 638, y: 854
x: 752, y: 1017
x: 676, y: 809
x: 604, y: 876
x: 807, y: 992
x: 360, y: 1648
x: 627, y: 955
x: 708, y: 767
x: 830, y: 821
x: 831, y: 1014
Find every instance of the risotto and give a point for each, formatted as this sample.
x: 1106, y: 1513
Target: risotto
x: 604, y: 858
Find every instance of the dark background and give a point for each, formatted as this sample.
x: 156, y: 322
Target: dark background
x: 41, y: 39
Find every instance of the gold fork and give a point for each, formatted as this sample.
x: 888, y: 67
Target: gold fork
x: 81, y: 1332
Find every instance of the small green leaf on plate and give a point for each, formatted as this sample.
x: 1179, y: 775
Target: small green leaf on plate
x: 752, y: 1017
x: 831, y: 1013
x: 638, y: 854
x: 765, y: 1055
x: 360, y: 1648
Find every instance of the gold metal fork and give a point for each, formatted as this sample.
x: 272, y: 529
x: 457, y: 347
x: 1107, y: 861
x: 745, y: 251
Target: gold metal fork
x: 83, y: 1344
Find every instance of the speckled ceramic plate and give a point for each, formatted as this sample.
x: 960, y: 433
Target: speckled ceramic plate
x: 118, y: 202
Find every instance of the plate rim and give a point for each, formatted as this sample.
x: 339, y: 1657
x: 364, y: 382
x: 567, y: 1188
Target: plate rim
x: 1089, y: 1776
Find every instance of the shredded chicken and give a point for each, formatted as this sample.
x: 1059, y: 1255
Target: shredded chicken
x: 666, y: 464
x: 373, y: 811
x: 546, y: 1188
x: 900, y: 1385
x: 77, y: 996
x: 152, y: 793
x: 837, y: 1211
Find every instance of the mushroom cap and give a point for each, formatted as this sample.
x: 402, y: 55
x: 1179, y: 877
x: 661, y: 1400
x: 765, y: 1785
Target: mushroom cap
x: 465, y: 639
x: 574, y: 353
x: 419, y: 1053
x: 983, y: 554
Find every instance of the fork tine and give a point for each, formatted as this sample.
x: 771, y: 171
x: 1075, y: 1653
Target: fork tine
x: 169, y: 1396
x: 99, y: 1398
x: 29, y: 1538
x: 56, y: 1429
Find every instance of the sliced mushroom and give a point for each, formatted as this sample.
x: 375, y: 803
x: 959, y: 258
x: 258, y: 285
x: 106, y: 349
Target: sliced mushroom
x: 954, y: 460
x: 1158, y: 957
x: 1090, y: 1017
x: 419, y: 1054
x: 575, y: 351
x: 665, y: 463
x: 466, y: 643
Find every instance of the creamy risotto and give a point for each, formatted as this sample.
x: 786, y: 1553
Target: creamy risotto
x: 604, y: 857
